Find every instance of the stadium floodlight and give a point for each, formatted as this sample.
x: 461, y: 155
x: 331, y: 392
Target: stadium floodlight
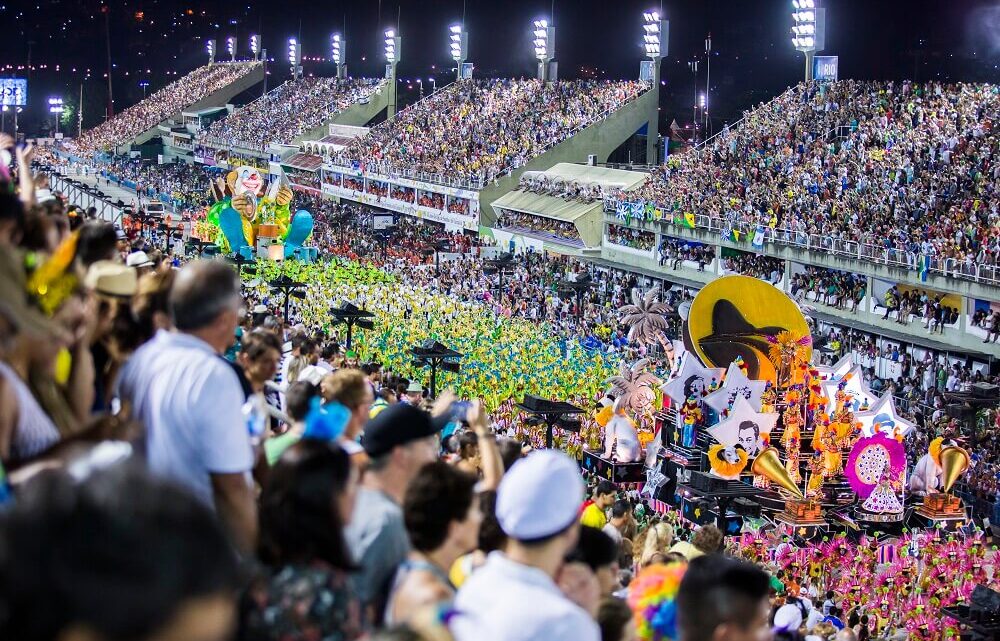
x: 335, y: 49
x: 254, y: 46
x: 295, y: 57
x: 392, y: 45
x: 544, y: 44
x: 458, y: 43
x: 808, y: 30
x: 210, y: 50
x: 231, y: 47
x: 655, y: 33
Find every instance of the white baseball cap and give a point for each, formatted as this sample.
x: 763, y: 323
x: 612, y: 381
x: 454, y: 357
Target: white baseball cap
x: 540, y: 496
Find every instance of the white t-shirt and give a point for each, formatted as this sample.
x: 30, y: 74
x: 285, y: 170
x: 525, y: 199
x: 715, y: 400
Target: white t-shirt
x: 191, y: 403
x: 508, y: 601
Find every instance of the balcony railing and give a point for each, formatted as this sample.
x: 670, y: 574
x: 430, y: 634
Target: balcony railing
x: 988, y: 274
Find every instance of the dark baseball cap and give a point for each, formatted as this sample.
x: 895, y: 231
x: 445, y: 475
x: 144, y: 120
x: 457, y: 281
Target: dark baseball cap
x: 398, y: 425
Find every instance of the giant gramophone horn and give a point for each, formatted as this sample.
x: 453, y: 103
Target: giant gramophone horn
x: 768, y: 465
x: 954, y: 461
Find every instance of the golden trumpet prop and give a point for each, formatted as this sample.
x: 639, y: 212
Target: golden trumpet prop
x: 954, y: 461
x: 768, y: 465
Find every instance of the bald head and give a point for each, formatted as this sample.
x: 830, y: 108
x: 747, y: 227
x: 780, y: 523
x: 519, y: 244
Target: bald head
x: 846, y: 634
x: 202, y: 291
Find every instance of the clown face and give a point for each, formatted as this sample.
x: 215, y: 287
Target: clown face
x: 730, y: 455
x: 248, y: 180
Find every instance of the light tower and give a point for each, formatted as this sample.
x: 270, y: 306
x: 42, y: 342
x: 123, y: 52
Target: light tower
x: 544, y: 41
x: 56, y: 109
x: 808, y: 31
x: 459, y: 44
x: 655, y: 41
x: 392, y: 47
x: 210, y: 50
x: 254, y: 46
x: 231, y: 48
x: 338, y: 52
x: 295, y: 58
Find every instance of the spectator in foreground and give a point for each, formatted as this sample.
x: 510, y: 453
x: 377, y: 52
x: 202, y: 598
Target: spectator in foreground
x: 308, y: 499
x: 399, y: 441
x: 442, y: 520
x: 515, y: 596
x: 350, y: 388
x: 600, y: 553
x: 190, y: 399
x: 723, y: 599
x: 166, y: 569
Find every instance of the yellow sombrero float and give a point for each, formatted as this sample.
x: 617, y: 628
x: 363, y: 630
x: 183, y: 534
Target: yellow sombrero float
x: 734, y: 316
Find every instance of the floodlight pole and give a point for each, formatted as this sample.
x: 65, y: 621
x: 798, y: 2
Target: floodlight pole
x: 392, y: 51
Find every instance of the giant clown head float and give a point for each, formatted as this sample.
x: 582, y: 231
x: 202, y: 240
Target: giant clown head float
x: 246, y: 208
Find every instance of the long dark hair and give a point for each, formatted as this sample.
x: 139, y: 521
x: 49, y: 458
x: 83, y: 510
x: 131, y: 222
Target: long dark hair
x: 299, y: 520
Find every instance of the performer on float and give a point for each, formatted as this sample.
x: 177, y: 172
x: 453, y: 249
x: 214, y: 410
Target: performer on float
x: 791, y: 438
x: 691, y: 415
x: 245, y: 202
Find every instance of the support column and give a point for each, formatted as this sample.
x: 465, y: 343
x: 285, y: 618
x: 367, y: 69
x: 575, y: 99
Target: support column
x: 653, y: 124
x: 870, y: 295
x: 786, y: 276
x: 391, y: 107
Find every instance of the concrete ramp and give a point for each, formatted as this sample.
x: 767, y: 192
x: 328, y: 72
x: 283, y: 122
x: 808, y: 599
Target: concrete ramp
x: 357, y: 115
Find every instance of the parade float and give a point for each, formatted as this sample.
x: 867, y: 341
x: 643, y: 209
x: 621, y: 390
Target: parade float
x: 747, y: 425
x: 253, y: 219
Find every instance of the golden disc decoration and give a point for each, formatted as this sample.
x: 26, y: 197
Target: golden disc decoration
x: 742, y: 316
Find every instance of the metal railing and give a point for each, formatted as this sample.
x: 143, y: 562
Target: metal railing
x: 863, y: 251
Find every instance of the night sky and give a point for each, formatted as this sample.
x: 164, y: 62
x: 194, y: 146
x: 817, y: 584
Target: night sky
x: 752, y: 57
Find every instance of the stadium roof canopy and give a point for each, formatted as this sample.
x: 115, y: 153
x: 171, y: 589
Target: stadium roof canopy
x: 585, y: 215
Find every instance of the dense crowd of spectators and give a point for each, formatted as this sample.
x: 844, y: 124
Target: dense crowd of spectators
x: 288, y: 111
x: 674, y: 251
x: 508, y: 219
x: 913, y: 305
x: 903, y: 169
x: 757, y: 265
x: 539, y: 183
x: 337, y: 512
x: 842, y: 290
x: 161, y: 105
x: 634, y: 238
x: 180, y: 181
x: 475, y: 130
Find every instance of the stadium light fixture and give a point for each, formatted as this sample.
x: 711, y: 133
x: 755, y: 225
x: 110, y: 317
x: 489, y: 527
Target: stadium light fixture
x: 338, y: 52
x: 654, y: 35
x: 210, y: 50
x: 392, y: 43
x: 231, y: 47
x: 458, y: 43
x: 295, y: 57
x: 254, y: 46
x: 808, y: 30
x: 543, y: 42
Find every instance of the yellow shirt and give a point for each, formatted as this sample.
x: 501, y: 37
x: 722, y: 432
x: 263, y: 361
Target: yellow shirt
x: 593, y: 516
